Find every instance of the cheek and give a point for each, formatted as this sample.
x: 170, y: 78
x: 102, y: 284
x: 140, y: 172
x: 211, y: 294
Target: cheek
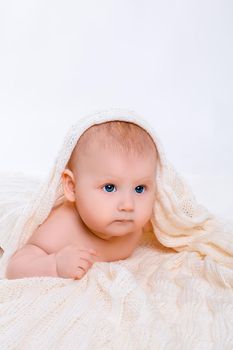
x: 92, y: 208
x: 146, y: 208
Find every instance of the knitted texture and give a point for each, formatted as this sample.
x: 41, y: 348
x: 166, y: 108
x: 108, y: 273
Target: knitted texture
x: 178, y: 295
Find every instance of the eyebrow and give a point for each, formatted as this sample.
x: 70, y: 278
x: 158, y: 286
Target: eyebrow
x: 147, y: 178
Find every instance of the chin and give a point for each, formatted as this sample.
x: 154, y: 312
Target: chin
x: 120, y: 234
x: 109, y: 236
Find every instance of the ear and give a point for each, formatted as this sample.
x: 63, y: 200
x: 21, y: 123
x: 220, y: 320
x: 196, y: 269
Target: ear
x: 68, y: 183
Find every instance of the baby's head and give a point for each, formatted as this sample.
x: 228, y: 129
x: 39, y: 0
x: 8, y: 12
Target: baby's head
x: 110, y: 177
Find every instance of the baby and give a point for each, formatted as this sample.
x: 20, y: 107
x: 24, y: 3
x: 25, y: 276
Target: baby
x: 109, y: 188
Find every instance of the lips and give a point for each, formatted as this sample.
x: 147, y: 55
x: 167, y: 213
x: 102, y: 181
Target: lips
x: 124, y: 220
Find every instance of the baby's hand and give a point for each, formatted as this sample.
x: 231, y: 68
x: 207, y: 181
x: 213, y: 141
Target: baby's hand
x: 73, y: 261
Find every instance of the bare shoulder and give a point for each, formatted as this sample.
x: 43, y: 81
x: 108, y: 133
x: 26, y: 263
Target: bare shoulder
x: 57, y: 231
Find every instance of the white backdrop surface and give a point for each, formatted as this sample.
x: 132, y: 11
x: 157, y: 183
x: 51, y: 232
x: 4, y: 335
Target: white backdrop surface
x: 170, y: 61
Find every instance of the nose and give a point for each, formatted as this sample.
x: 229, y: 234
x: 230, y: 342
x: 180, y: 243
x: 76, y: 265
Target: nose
x: 126, y: 203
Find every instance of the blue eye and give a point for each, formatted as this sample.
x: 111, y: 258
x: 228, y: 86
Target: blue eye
x: 109, y: 187
x: 139, y: 189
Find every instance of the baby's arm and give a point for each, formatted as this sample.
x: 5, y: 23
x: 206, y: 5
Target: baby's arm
x: 70, y: 262
x: 50, y: 251
x: 37, y: 257
x: 30, y: 261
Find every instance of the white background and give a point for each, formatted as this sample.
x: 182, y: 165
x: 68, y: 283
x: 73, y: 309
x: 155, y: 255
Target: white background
x: 170, y: 61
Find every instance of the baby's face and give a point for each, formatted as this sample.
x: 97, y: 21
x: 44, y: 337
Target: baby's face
x: 111, y: 188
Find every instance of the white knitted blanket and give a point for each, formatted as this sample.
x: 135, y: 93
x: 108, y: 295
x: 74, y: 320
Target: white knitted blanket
x: 177, y: 295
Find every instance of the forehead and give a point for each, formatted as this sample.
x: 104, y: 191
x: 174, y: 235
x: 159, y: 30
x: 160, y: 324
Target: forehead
x: 101, y: 162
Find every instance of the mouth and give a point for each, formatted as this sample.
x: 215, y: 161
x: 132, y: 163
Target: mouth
x: 123, y: 220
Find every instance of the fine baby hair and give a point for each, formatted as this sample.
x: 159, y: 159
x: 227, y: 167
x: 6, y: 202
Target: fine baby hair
x: 120, y: 137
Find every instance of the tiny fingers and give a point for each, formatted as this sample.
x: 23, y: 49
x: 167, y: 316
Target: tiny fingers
x: 90, y: 262
x: 85, y: 263
x: 80, y: 271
